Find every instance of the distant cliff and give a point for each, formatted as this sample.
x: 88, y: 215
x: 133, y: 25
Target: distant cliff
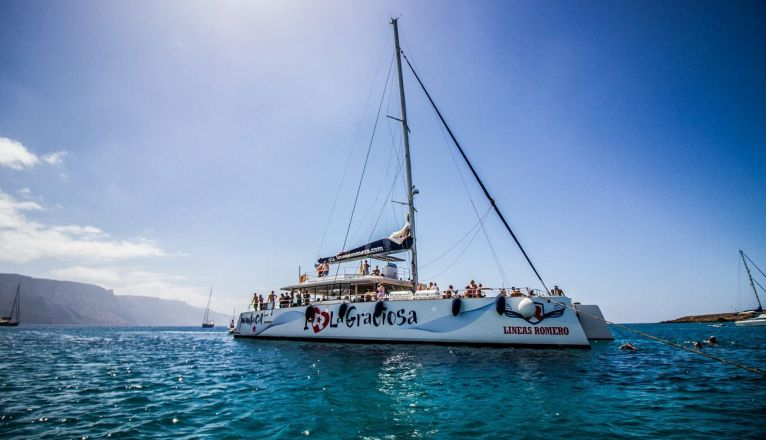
x: 66, y: 302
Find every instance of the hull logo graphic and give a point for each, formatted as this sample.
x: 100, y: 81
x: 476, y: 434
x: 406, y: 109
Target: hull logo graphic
x: 321, y: 320
x: 540, y: 313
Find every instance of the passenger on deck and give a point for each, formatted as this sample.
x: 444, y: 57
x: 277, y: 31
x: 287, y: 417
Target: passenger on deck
x: 381, y: 292
x: 255, y: 301
x: 449, y: 292
x: 435, y: 287
x: 376, y: 271
x: 502, y: 292
x: 306, y: 296
x: 479, y: 292
x: 323, y: 269
x: 366, y: 268
x: 515, y: 291
x: 260, y: 302
x: 272, y: 299
x: 556, y: 291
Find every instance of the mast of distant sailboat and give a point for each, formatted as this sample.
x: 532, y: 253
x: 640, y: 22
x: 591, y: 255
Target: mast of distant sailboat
x: 750, y: 277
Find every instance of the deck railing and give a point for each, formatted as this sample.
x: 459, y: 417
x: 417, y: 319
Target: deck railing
x: 404, y: 295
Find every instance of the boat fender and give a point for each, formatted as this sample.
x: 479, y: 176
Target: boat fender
x: 527, y: 308
x: 342, y: 311
x: 378, y: 309
x: 456, y: 304
x: 309, y: 313
x: 500, y: 305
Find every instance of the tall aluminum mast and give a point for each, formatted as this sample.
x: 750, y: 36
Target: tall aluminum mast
x: 407, y: 165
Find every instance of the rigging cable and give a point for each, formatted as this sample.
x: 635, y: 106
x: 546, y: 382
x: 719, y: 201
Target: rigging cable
x: 753, y: 263
x: 443, y: 254
x: 351, y: 153
x: 473, y: 171
x: 476, y: 211
x: 366, y: 159
x: 663, y: 341
x: 467, y: 246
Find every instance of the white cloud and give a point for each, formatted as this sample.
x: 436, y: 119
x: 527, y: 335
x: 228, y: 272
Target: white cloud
x: 16, y: 156
x: 23, y: 240
x: 56, y: 158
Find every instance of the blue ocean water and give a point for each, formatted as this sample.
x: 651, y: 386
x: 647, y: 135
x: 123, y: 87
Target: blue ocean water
x: 65, y: 382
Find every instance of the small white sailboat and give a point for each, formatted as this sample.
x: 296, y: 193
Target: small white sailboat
x: 206, y: 322
x: 760, y: 319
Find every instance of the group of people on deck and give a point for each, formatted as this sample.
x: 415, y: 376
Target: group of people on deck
x: 364, y: 269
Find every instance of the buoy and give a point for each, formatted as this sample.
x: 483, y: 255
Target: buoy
x: 309, y: 313
x: 526, y: 308
x: 456, y: 304
x: 500, y: 305
x: 378, y: 309
x: 342, y: 311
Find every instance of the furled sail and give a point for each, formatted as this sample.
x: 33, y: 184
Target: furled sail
x: 399, y: 241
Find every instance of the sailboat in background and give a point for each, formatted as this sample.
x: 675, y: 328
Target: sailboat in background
x: 760, y: 319
x: 206, y: 322
x: 15, y: 317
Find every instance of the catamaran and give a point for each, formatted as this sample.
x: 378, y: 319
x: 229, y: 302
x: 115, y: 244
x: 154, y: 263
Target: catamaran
x: 388, y: 305
x: 760, y: 319
x: 15, y: 316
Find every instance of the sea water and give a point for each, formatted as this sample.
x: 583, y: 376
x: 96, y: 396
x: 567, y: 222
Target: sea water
x: 87, y: 382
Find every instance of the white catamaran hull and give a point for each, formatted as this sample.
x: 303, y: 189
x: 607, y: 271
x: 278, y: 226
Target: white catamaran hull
x: 426, y: 321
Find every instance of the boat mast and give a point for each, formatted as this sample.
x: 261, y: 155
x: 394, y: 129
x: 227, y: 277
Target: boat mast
x: 407, y: 165
x: 207, y: 309
x: 747, y: 268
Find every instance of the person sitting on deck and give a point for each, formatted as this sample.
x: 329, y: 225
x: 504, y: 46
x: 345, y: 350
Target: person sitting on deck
x: 376, y: 271
x: 323, y: 269
x: 479, y: 293
x: 556, y: 291
x: 515, y: 292
x: 435, y: 287
x: 449, y: 292
x: 502, y: 292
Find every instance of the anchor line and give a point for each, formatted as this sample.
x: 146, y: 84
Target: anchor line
x: 665, y: 341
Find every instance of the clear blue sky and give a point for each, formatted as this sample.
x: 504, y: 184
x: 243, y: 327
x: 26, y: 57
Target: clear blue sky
x: 159, y: 148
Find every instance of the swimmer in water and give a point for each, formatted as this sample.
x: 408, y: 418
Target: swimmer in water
x: 712, y: 340
x: 627, y: 346
x: 697, y: 345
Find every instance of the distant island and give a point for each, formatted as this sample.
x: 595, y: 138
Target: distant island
x: 716, y: 317
x: 46, y: 301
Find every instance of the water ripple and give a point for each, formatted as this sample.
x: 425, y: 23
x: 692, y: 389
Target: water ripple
x: 186, y: 383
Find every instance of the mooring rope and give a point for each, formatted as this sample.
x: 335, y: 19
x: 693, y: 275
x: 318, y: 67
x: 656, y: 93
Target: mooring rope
x: 665, y: 341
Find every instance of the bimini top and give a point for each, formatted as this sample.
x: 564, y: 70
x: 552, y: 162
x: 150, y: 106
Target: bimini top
x: 399, y: 241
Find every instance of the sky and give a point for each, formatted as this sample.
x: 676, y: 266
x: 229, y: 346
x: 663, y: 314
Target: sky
x: 164, y: 148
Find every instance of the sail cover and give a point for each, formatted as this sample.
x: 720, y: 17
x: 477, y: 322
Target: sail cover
x: 399, y: 241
